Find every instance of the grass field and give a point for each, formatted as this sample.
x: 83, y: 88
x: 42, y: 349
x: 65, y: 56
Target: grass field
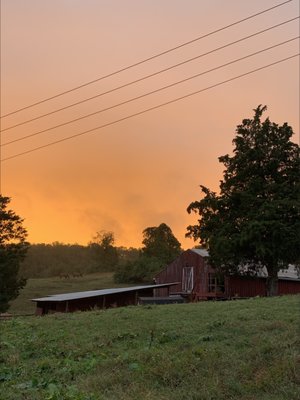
x: 233, y: 350
x: 44, y: 286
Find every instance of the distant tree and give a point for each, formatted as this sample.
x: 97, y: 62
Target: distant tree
x: 104, y: 251
x: 127, y: 254
x: 255, y: 220
x: 105, y: 239
x: 160, y: 248
x: 13, y: 247
x: 142, y: 270
x: 159, y: 242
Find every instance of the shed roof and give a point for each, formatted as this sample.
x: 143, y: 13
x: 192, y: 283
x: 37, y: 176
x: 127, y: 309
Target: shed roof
x: 96, y: 293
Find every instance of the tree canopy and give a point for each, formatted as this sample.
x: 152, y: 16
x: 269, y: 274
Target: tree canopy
x: 254, y: 221
x: 160, y: 248
x: 13, y: 247
x: 103, y: 250
x: 160, y: 242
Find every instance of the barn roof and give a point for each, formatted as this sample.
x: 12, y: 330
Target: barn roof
x: 289, y: 273
x: 96, y: 293
x: 201, y: 252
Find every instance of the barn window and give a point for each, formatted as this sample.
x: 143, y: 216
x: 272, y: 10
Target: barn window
x: 187, y: 279
x: 216, y: 283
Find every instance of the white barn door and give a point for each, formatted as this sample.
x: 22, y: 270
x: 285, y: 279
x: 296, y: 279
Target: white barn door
x: 188, y: 279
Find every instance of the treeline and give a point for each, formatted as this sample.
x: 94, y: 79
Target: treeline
x: 48, y: 260
x: 130, y: 265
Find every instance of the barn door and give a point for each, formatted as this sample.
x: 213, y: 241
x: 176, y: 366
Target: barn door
x: 187, y: 279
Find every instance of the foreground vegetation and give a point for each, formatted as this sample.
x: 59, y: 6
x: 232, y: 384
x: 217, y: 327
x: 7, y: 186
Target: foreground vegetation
x: 243, y: 350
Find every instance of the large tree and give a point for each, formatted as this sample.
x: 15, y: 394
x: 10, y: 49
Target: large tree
x: 254, y: 221
x: 160, y: 242
x: 13, y: 247
x: 160, y: 248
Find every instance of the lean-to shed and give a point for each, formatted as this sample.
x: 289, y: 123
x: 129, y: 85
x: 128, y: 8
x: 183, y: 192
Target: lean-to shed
x: 105, y: 298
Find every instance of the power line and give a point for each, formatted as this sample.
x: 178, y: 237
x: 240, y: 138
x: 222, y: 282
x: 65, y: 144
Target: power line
x: 150, y: 109
x: 149, y: 58
x: 150, y: 75
x: 149, y: 93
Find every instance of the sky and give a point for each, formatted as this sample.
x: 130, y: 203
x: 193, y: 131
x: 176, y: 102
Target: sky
x: 146, y: 169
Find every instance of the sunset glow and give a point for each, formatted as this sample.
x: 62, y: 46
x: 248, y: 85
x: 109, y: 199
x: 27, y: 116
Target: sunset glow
x: 147, y: 169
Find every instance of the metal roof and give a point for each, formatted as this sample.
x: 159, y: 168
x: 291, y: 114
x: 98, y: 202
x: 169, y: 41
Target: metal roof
x: 96, y: 293
x: 201, y: 252
x: 289, y: 273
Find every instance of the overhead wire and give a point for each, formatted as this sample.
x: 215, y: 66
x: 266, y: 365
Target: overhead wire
x: 150, y: 93
x: 151, y: 108
x: 147, y: 59
x: 150, y: 75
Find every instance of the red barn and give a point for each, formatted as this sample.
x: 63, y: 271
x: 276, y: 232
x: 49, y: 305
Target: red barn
x: 199, y: 281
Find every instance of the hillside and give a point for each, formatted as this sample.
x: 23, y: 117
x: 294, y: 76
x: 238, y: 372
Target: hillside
x: 244, y: 350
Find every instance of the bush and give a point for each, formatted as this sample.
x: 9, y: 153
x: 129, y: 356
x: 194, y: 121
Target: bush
x: 141, y: 270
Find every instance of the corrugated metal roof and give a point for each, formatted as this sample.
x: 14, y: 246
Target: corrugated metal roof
x: 102, y: 292
x: 289, y: 273
x: 201, y: 252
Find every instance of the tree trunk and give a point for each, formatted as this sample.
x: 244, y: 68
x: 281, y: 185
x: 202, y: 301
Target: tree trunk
x: 272, y: 283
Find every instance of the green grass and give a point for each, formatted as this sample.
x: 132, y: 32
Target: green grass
x: 234, y: 350
x: 42, y: 287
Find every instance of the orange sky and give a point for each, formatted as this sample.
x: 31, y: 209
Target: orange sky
x: 146, y: 170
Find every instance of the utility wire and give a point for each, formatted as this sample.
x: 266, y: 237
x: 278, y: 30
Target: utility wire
x: 149, y: 58
x: 150, y: 109
x: 150, y: 93
x: 150, y: 75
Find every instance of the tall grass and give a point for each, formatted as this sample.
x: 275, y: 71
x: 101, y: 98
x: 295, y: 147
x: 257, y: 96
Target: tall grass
x: 238, y: 350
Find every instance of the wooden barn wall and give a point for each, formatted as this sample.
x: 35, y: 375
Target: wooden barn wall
x: 173, y: 273
x: 107, y: 301
x: 45, y: 307
x: 288, y: 287
x: 245, y: 287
